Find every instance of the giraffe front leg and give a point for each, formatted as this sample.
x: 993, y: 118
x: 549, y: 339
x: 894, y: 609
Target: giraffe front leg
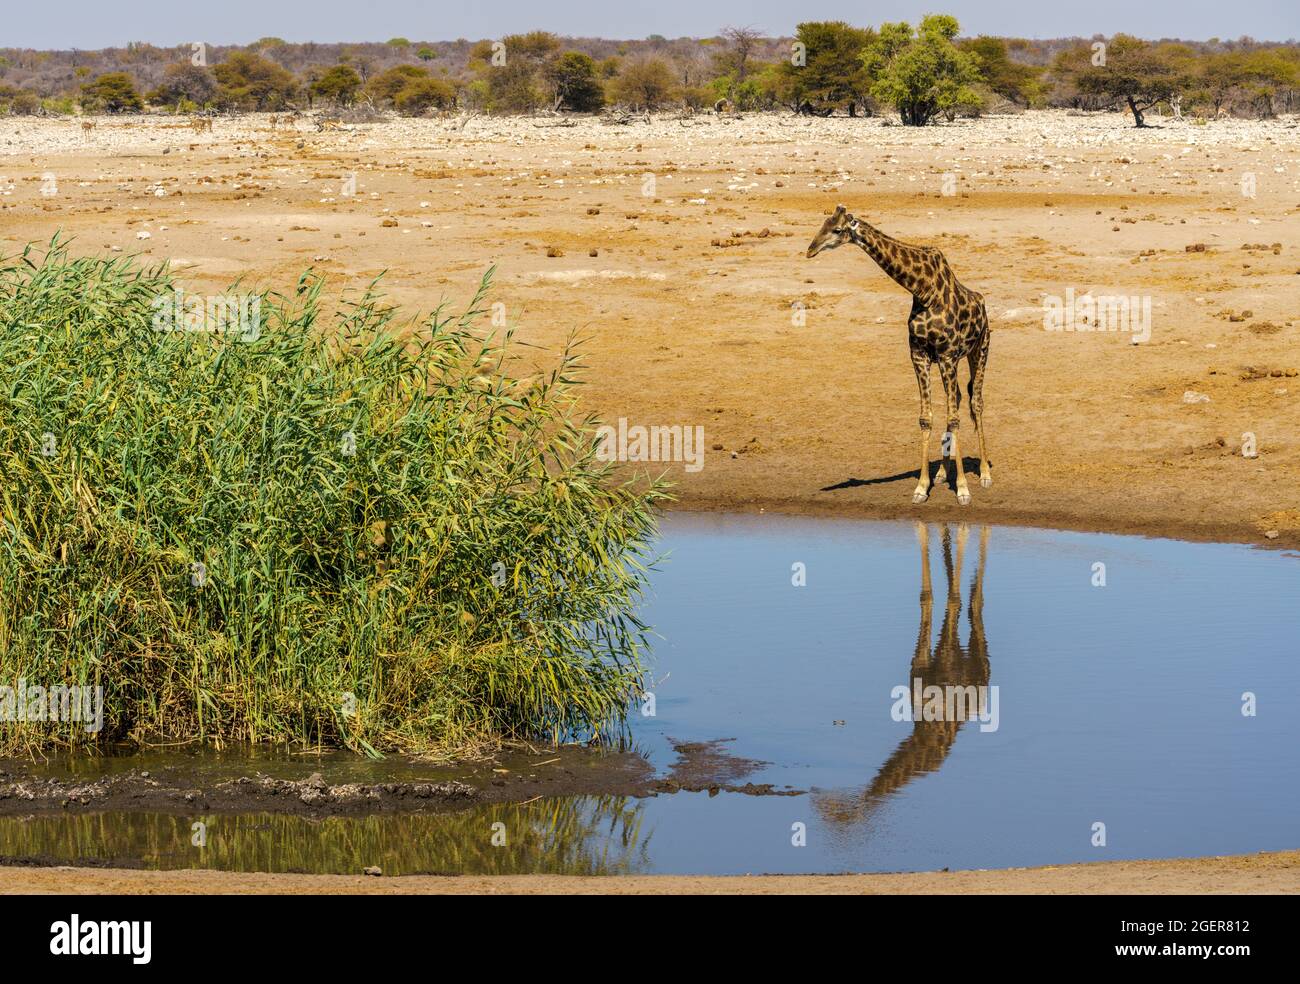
x: 948, y: 372
x: 921, y: 363
x: 922, y: 491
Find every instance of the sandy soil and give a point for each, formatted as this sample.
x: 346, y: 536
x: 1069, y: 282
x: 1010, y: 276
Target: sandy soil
x: 1277, y: 873
x: 688, y: 300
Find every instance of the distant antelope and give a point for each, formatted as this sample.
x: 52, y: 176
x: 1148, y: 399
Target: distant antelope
x: 333, y: 123
x: 200, y: 123
x: 87, y: 126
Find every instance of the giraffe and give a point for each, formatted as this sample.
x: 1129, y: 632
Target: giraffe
x: 948, y: 322
x: 946, y: 664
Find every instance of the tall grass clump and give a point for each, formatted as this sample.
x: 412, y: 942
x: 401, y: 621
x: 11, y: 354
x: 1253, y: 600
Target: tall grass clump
x: 350, y: 529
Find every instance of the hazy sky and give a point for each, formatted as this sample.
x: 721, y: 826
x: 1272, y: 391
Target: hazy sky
x: 99, y: 23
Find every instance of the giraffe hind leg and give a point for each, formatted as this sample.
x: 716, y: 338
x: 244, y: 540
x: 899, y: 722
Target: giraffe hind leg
x: 977, y: 360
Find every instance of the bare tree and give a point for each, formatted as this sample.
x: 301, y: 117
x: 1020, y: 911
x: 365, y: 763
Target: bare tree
x: 743, y: 41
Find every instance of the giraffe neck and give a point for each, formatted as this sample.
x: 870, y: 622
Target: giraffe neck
x: 905, y: 264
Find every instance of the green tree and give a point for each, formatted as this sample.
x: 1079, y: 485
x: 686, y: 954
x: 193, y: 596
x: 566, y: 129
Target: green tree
x: 426, y: 54
x: 1012, y: 80
x: 1219, y: 77
x: 420, y: 95
x: 572, y: 78
x: 1264, y: 74
x: 534, y: 47
x: 384, y: 87
x: 515, y: 86
x: 251, y: 82
x: 921, y: 73
x: 645, y: 83
x: 112, y: 92
x: 339, y: 85
x: 1132, y: 71
x: 827, y: 71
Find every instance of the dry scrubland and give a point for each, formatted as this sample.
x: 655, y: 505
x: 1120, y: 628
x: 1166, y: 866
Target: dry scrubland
x: 686, y: 296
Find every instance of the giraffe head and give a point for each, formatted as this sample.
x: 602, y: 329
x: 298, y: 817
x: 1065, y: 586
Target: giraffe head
x: 835, y: 231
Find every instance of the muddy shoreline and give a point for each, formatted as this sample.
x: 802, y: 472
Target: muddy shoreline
x: 1151, y: 526
x: 513, y: 776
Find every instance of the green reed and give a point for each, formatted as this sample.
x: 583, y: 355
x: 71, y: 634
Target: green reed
x: 350, y: 528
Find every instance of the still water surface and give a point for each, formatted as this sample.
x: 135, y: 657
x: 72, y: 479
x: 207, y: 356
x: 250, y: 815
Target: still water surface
x: 1118, y: 704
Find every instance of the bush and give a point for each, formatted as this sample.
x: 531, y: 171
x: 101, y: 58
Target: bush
x: 384, y: 87
x: 339, y: 85
x: 251, y: 82
x: 645, y: 84
x: 512, y: 88
x: 112, y: 92
x: 572, y: 77
x: 345, y: 530
x: 420, y: 95
x: 185, y: 83
x: 59, y: 105
x: 19, y: 102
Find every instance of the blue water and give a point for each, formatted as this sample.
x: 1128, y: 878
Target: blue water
x: 1118, y: 704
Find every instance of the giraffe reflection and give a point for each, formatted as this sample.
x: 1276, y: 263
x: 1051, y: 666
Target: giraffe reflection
x: 947, y: 665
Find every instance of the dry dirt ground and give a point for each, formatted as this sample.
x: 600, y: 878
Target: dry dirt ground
x: 1277, y: 873
x: 675, y: 248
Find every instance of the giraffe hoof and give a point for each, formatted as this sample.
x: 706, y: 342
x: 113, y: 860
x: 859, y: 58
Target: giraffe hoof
x: 963, y: 498
x: 987, y: 481
x: 919, y: 497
